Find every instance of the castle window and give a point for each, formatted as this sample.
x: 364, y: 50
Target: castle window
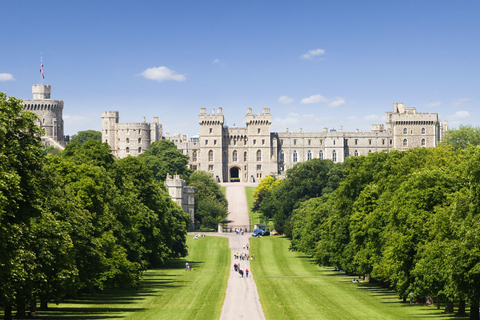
x: 370, y: 141
x: 140, y: 150
x: 405, y: 142
x: 282, y: 156
x: 383, y: 141
x: 295, y: 142
x: 258, y: 130
x: 139, y: 140
x: 210, y: 155
x: 369, y: 151
x: 245, y: 142
x: 194, y: 156
x: 106, y: 131
x: 295, y: 156
x: 234, y: 156
x: 321, y: 141
x: 206, y: 142
x: 281, y: 142
x: 334, y: 156
x: 128, y: 140
x: 423, y: 142
x: 405, y: 131
x: 282, y: 168
x: 346, y: 154
x: 245, y: 156
x: 44, y: 121
x: 423, y: 130
x: 245, y: 167
x: 259, y: 167
x: 411, y: 131
x: 128, y: 150
x: 138, y: 131
x: 263, y: 141
x: 309, y: 142
x: 355, y: 153
x: 210, y: 130
x: 214, y: 142
x: 234, y: 142
x: 391, y: 141
x: 309, y: 155
x: 259, y: 155
x: 320, y: 155
x: 194, y: 167
x: 333, y: 142
x: 356, y: 141
x: 210, y: 167
x: 254, y: 141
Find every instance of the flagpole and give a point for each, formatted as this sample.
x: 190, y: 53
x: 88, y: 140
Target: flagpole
x: 41, y: 68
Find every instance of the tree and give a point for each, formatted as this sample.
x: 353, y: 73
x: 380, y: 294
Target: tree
x: 82, y: 136
x: 164, y: 158
x: 462, y: 137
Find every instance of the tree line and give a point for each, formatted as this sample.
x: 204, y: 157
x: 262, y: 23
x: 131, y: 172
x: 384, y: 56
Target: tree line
x: 408, y: 219
x: 80, y: 220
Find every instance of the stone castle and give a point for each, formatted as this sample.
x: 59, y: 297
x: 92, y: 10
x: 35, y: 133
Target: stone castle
x: 50, y: 115
x: 250, y: 153
x: 182, y: 195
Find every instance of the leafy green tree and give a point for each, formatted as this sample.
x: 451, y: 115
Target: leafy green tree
x: 82, y: 136
x: 164, y: 158
x: 267, y: 184
x: 462, y: 137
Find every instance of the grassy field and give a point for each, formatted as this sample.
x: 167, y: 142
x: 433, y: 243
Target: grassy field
x: 291, y: 286
x: 167, y: 293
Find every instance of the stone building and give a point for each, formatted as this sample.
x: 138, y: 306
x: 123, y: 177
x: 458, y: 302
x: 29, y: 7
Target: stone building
x: 129, y: 138
x: 50, y: 113
x: 182, y: 195
x: 251, y: 153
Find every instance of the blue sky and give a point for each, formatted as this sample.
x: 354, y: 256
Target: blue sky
x: 315, y: 64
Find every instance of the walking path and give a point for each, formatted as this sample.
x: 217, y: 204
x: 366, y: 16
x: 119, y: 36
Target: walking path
x: 241, y: 300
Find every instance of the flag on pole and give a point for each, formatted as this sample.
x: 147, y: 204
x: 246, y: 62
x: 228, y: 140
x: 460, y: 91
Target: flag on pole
x: 41, y: 67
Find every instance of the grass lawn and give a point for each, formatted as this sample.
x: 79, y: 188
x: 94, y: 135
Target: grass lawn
x: 167, y: 293
x: 255, y: 216
x: 291, y: 286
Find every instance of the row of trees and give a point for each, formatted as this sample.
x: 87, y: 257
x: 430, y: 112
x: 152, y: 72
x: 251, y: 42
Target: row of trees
x: 78, y: 220
x: 410, y: 219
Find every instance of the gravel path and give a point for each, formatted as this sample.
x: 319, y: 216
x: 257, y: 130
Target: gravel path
x: 241, y: 300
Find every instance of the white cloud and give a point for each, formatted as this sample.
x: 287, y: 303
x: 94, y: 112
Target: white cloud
x: 312, y: 53
x: 314, y: 99
x: 216, y: 61
x: 461, y: 101
x: 162, y: 74
x: 292, y: 119
x: 6, y: 77
x: 461, y: 115
x: 337, y: 102
x: 434, y: 104
x: 373, y: 118
x: 285, y: 100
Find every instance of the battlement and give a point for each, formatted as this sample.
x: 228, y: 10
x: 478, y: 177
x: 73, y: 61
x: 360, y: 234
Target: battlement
x: 213, y: 119
x: 258, y: 119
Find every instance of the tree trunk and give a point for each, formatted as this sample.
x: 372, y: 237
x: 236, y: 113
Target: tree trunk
x: 461, y: 309
x: 438, y: 303
x: 7, y: 313
x: 43, y: 304
x: 33, y: 308
x: 20, y: 311
x: 448, y: 307
x: 474, y: 310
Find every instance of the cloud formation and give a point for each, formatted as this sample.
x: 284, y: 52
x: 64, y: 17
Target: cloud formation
x: 337, y: 102
x: 216, y: 61
x: 461, y: 101
x: 162, y: 74
x: 285, y: 100
x: 312, y: 53
x: 6, y: 77
x: 314, y: 99
x: 434, y: 104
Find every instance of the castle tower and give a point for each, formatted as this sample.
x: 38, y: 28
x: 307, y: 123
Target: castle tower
x: 50, y: 113
x: 260, y: 144
x: 182, y: 195
x: 212, y: 155
x: 109, y: 123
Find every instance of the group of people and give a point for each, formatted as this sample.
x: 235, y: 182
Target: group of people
x: 197, y: 236
x: 237, y: 268
x: 243, y: 256
x: 238, y: 231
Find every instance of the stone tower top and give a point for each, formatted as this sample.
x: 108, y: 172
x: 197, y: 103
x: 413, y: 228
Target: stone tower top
x: 41, y: 91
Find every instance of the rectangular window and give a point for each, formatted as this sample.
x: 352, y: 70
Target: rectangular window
x: 295, y: 142
x: 263, y: 141
x: 356, y: 141
x: 281, y: 142
x: 383, y: 141
x: 206, y: 142
x: 369, y: 141
x: 214, y: 142
x: 391, y: 141
x: 309, y: 142
x: 321, y: 141
x: 254, y: 141
x: 259, y: 167
x: 258, y: 131
x: 210, y: 167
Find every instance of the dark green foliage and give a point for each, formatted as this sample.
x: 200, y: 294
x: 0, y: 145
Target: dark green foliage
x: 82, y: 136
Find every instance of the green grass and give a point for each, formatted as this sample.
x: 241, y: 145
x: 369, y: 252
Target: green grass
x: 167, y: 293
x: 256, y: 217
x: 224, y: 190
x: 291, y: 286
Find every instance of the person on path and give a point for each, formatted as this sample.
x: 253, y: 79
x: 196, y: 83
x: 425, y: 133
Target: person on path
x: 241, y: 272
x: 186, y: 265
x: 246, y: 272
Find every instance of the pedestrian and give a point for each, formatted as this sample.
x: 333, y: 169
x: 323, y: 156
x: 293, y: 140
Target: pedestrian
x: 186, y: 265
x: 241, y: 272
x: 235, y: 267
x: 246, y: 272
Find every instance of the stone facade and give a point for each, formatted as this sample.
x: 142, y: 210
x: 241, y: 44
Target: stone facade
x: 250, y: 153
x: 50, y: 113
x: 182, y: 195
x: 129, y: 138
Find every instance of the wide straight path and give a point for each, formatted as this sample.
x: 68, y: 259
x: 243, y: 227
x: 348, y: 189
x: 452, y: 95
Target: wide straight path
x: 241, y: 300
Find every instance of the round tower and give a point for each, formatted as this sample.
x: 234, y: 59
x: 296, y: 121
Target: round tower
x: 109, y: 123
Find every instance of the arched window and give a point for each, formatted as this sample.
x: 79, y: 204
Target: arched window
x: 128, y: 140
x: 309, y: 155
x: 245, y: 156
x: 334, y: 156
x: 128, y: 150
x: 282, y: 156
x: 423, y: 142
x: 405, y: 131
x: 333, y: 142
x: 139, y: 140
x: 405, y: 142
x: 234, y: 156
x: 355, y: 153
x: 320, y: 155
x: 194, y: 156
x: 295, y: 156
x: 259, y: 155
x: 423, y: 130
x: 210, y: 155
x: 139, y: 149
